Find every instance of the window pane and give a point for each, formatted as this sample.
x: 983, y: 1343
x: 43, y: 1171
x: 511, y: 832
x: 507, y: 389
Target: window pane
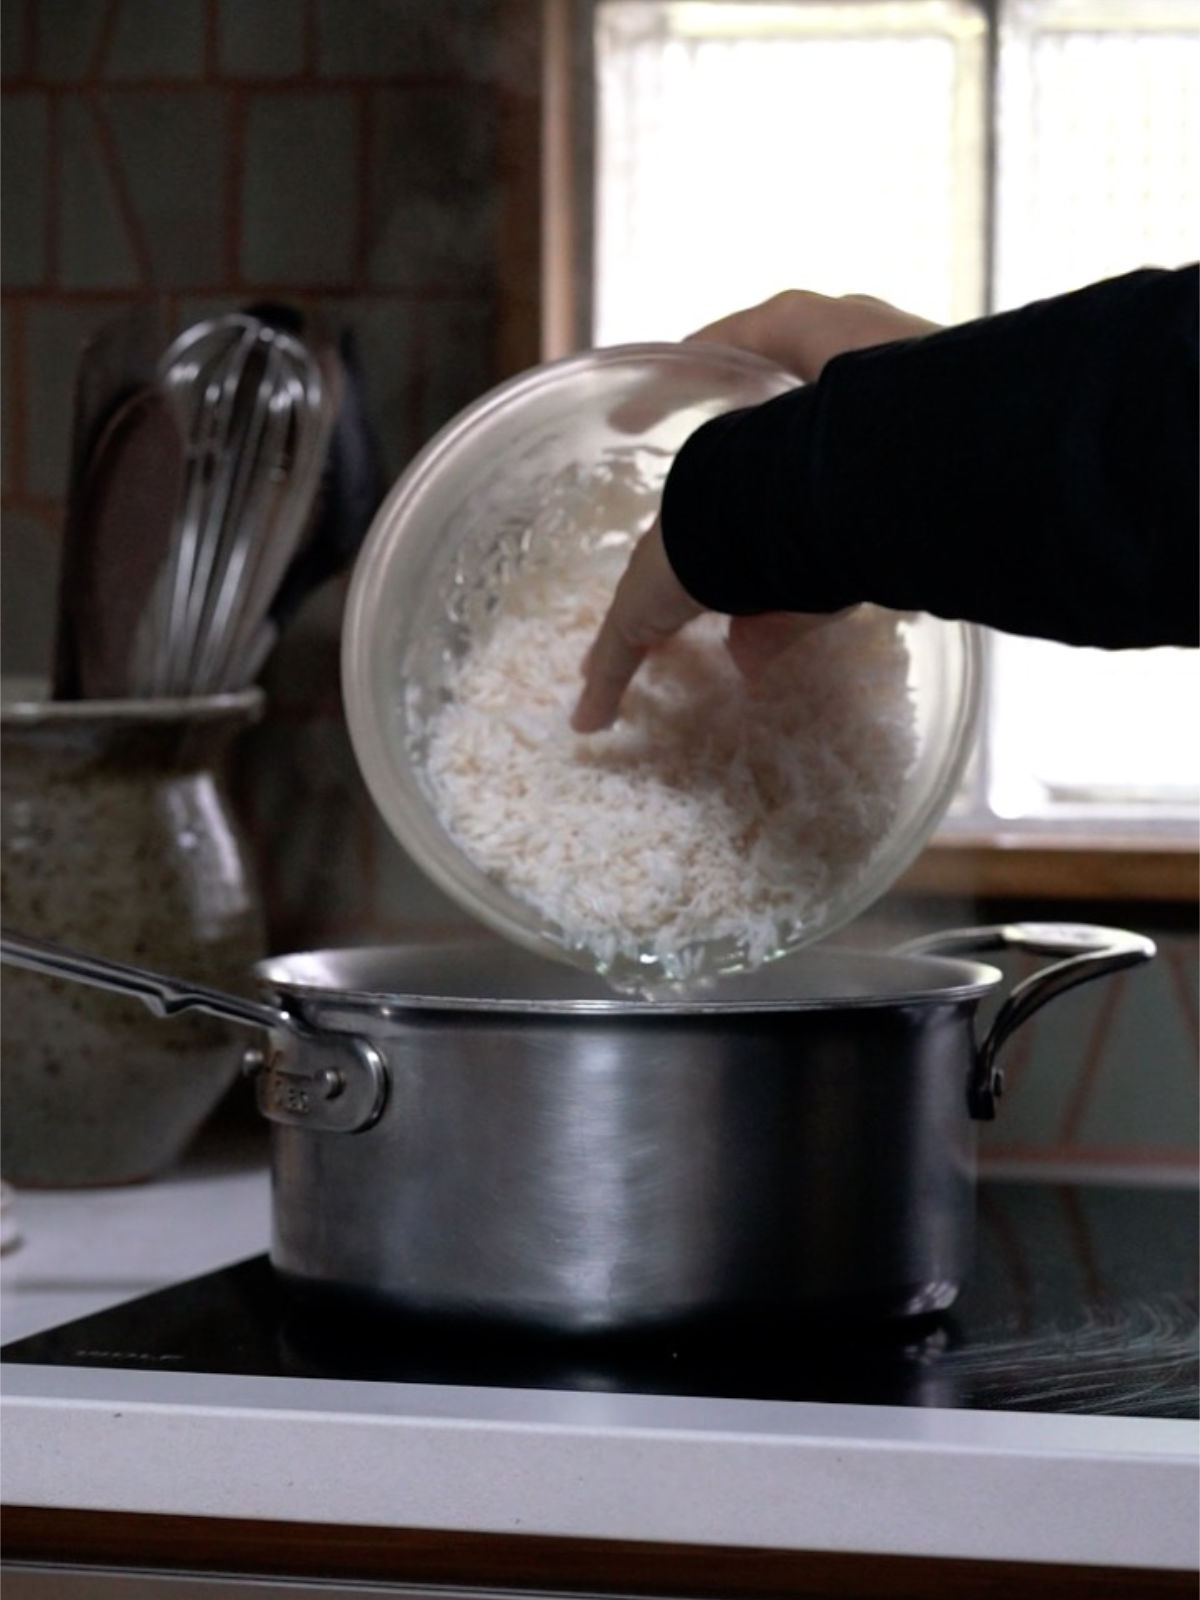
x: 744, y: 149
x: 1073, y: 726
x: 1098, y: 140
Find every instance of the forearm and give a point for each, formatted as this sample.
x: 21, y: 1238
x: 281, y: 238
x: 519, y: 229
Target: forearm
x: 1034, y: 471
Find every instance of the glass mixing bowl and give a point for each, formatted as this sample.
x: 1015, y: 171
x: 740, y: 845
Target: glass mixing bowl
x: 573, y: 455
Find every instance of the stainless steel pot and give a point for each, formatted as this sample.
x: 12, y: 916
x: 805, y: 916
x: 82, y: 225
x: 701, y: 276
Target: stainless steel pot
x: 463, y: 1129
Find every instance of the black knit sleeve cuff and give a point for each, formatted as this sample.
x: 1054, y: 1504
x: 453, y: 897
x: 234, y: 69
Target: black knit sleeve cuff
x: 738, y: 514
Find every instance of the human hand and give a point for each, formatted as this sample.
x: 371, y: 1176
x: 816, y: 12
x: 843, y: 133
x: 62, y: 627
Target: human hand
x: 800, y: 331
x: 648, y: 607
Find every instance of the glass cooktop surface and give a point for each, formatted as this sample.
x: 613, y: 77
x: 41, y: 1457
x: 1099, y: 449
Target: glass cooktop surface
x: 1083, y: 1299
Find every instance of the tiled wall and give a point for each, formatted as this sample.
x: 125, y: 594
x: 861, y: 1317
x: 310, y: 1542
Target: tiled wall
x: 204, y: 154
x: 344, y: 154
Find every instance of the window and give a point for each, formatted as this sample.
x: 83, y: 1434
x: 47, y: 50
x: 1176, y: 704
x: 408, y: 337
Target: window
x: 956, y: 157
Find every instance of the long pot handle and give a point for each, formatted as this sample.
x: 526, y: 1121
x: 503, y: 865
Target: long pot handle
x: 1085, y: 952
x: 163, y: 995
x: 331, y: 1081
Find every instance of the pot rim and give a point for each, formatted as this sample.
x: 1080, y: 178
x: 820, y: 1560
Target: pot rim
x: 941, y: 980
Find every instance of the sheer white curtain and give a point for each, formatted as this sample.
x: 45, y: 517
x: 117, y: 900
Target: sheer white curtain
x: 743, y: 148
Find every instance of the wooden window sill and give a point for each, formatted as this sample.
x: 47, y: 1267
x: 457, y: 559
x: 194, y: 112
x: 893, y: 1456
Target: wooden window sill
x: 1067, y: 867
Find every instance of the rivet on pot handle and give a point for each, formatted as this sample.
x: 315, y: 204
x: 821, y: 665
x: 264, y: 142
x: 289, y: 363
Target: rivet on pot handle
x: 1088, y: 951
x: 331, y: 1082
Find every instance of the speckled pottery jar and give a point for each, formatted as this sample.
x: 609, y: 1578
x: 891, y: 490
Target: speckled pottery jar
x: 118, y: 837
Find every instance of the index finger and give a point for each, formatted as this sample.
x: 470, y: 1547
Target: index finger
x: 648, y: 606
x: 607, y: 672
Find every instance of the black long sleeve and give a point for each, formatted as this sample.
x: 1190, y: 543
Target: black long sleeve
x: 1035, y: 471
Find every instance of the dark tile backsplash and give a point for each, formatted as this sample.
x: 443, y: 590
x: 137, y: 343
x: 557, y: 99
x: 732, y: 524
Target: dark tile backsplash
x: 301, y: 179
x: 148, y: 41
x: 23, y: 140
x: 393, y: 40
x: 431, y: 226
x: 201, y: 155
x: 172, y: 152
x: 261, y: 38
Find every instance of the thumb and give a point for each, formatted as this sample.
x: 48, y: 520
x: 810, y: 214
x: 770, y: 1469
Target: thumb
x: 755, y: 643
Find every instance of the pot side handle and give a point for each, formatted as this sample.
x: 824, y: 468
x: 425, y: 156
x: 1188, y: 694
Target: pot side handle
x: 1084, y: 951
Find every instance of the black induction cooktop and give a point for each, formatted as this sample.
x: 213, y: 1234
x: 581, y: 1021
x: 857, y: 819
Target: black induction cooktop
x: 1083, y: 1299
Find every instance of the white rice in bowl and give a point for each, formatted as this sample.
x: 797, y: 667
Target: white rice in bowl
x: 711, y: 815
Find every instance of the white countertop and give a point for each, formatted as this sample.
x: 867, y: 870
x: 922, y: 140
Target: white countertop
x: 780, y: 1475
x: 79, y: 1250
